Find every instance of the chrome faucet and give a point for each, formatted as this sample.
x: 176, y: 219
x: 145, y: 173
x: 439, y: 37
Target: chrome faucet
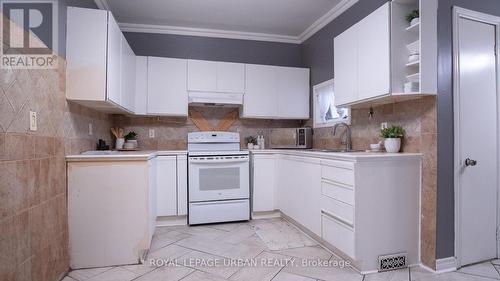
x: 348, y: 141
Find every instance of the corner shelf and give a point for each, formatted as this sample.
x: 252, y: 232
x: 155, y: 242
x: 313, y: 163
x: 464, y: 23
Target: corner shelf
x: 414, y: 77
x: 414, y: 63
x: 413, y: 28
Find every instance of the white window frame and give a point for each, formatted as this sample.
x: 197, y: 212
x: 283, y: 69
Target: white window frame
x: 329, y: 123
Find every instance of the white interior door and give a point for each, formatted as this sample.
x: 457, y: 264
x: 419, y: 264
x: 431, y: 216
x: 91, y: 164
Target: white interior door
x: 476, y: 106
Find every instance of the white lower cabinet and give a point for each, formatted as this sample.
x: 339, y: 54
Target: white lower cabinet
x: 171, y: 185
x: 263, y: 182
x: 360, y: 207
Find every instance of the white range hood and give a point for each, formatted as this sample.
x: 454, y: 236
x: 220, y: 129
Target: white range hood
x: 215, y: 99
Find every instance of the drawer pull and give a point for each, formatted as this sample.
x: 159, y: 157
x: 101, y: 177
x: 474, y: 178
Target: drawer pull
x: 337, y: 218
x: 339, y: 184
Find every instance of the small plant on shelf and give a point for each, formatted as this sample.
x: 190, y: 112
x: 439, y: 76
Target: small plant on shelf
x: 392, y: 136
x: 251, y: 141
x: 415, y: 14
x: 131, y: 136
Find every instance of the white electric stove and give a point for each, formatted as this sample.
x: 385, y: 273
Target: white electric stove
x: 219, y: 178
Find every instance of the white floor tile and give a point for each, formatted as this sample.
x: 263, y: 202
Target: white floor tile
x: 285, y: 276
x: 202, y: 276
x: 67, y: 278
x: 280, y: 235
x: 247, y: 249
x: 163, y: 239
x: 238, y: 234
x: 139, y: 269
x: 211, y: 264
x: 496, y: 261
x: 393, y: 275
x: 169, y: 252
x: 420, y: 274
x: 312, y: 269
x: 485, y: 269
x: 166, y: 273
x: 267, y: 267
x: 227, y: 226
x: 115, y: 274
x: 310, y: 252
x: 84, y: 274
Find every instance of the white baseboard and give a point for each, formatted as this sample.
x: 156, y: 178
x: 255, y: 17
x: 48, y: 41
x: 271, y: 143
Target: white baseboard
x: 446, y: 265
x: 266, y: 215
x: 171, y: 221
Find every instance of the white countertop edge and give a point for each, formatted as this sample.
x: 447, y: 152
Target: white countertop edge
x: 349, y: 156
x: 124, y: 156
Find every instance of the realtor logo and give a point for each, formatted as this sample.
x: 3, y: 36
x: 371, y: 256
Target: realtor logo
x: 29, y: 33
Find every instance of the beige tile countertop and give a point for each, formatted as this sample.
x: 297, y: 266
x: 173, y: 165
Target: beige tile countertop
x: 112, y: 155
x: 349, y: 156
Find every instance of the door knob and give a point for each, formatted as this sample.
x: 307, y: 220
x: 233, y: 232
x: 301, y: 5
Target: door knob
x: 470, y: 162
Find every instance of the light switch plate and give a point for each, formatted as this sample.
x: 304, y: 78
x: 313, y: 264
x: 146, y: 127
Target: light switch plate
x: 91, y: 129
x: 151, y: 133
x: 33, y: 121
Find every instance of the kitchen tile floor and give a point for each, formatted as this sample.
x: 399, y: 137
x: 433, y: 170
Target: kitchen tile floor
x: 279, y: 251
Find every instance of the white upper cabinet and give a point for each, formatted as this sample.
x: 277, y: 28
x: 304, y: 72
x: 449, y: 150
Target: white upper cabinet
x: 261, y: 98
x: 141, y: 86
x: 230, y: 77
x: 374, y: 54
x: 100, y: 63
x: 372, y: 63
x: 293, y: 92
x: 167, y: 86
x: 212, y: 76
x: 128, y: 76
x: 345, y: 52
x: 276, y: 92
x: 202, y: 76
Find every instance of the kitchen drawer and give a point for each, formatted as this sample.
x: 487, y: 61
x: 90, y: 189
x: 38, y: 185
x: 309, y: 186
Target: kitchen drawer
x: 342, y: 211
x: 338, y: 171
x: 337, y: 191
x: 338, y: 234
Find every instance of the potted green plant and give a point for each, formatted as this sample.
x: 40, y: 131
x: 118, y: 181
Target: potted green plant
x: 251, y: 141
x: 131, y: 140
x: 413, y: 17
x: 392, y: 138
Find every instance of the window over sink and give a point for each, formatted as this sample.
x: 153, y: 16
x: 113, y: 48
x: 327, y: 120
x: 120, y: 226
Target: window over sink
x: 325, y: 112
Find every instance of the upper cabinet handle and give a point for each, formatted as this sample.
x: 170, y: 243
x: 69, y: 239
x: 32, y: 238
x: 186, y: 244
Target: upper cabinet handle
x: 470, y: 162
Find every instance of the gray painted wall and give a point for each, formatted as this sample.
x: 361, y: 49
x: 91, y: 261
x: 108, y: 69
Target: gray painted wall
x: 231, y: 50
x: 317, y: 51
x: 445, y: 192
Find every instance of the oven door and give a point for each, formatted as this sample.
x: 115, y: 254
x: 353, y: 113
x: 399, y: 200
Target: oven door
x: 218, y: 178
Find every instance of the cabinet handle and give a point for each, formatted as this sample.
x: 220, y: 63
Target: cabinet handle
x: 337, y: 218
x: 470, y: 162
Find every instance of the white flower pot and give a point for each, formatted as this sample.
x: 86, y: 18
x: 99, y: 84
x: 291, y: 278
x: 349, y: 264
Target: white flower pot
x: 392, y: 145
x: 119, y: 143
x: 414, y: 21
x: 250, y: 146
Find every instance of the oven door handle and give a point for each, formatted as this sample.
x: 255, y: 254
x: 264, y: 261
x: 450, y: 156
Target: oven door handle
x: 217, y: 161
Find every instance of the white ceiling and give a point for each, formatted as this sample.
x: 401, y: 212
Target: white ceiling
x: 272, y: 20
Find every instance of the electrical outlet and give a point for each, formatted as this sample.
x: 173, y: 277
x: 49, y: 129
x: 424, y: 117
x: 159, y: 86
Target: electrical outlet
x: 151, y: 133
x: 91, y: 129
x: 383, y: 125
x: 33, y: 121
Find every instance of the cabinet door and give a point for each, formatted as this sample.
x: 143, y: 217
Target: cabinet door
x: 230, y: 77
x: 141, y: 85
x: 346, y: 66
x: 202, y: 76
x: 128, y: 76
x: 86, y: 54
x: 182, y: 186
x: 166, y: 186
x: 167, y: 80
x: 263, y: 183
x: 114, y: 61
x: 260, y: 100
x: 374, y: 54
x: 293, y: 92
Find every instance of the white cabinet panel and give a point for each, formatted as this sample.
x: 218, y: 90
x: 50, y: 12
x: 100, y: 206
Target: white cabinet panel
x: 202, y: 76
x: 167, y: 82
x: 114, y: 61
x: 128, y: 66
x: 230, y: 77
x: 182, y: 186
x: 86, y: 54
x: 166, y: 175
x: 346, y: 66
x: 141, y: 85
x: 263, y: 183
x: 260, y: 100
x: 293, y: 92
x: 374, y: 54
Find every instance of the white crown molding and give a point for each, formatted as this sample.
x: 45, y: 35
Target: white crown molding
x: 326, y: 19
x: 219, y: 33
x: 205, y: 32
x: 102, y: 4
